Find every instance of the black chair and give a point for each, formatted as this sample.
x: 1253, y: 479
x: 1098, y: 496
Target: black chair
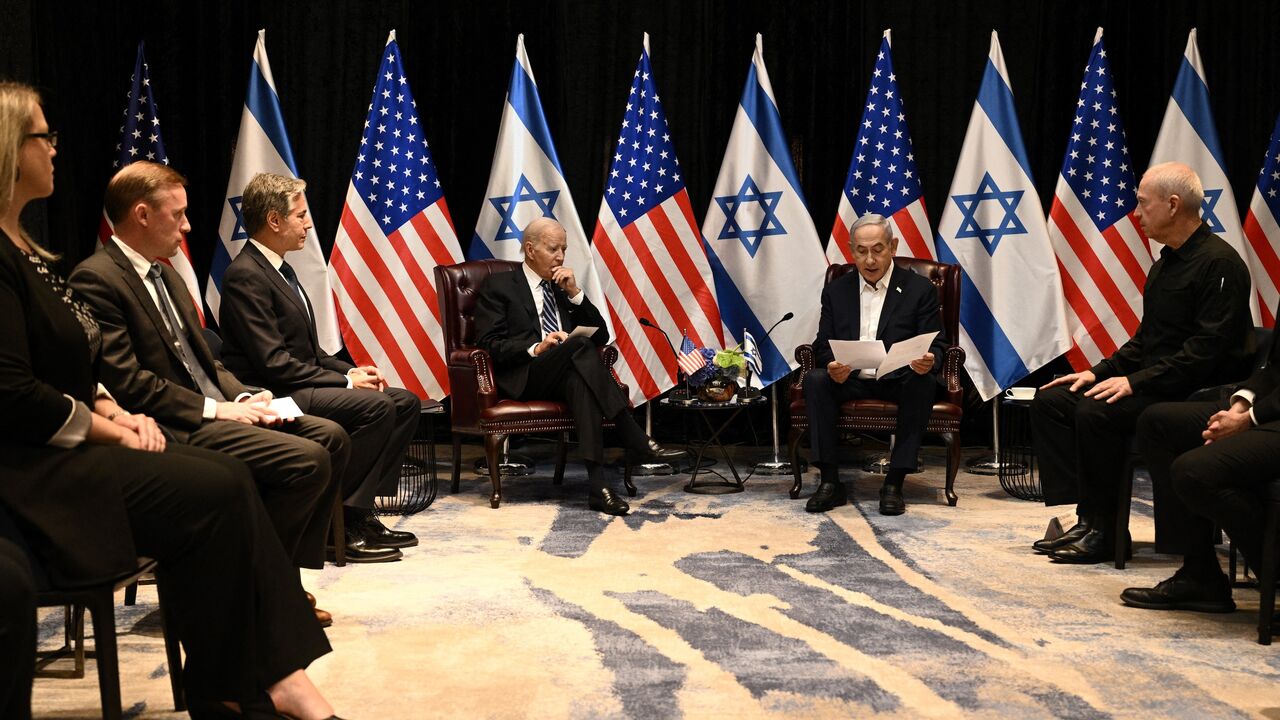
x: 1270, y: 556
x: 99, y: 600
x: 1124, y: 497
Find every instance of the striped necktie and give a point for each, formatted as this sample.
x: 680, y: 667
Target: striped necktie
x: 550, y: 318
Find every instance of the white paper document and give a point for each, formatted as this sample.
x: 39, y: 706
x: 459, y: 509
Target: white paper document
x: 285, y: 408
x: 871, y: 355
x: 585, y: 330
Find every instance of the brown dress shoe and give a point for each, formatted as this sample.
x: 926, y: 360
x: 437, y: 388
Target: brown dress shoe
x: 323, y: 617
x: 311, y: 599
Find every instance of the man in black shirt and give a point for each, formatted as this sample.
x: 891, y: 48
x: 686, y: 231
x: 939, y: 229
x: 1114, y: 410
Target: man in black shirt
x: 1195, y: 332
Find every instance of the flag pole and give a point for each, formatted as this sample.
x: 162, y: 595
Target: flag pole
x: 778, y: 465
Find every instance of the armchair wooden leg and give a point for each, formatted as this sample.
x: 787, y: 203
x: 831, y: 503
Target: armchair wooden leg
x: 562, y: 455
x: 131, y: 594
x: 457, y: 463
x: 953, y: 466
x: 793, y: 451
x: 493, y: 454
x: 102, y: 609
x: 626, y: 477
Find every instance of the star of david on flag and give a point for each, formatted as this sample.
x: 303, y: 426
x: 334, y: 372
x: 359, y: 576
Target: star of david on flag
x: 1189, y: 135
x: 764, y: 252
x: 882, y: 176
x: 1102, y: 253
x: 262, y: 145
x: 989, y: 223
x: 394, y: 230
x: 140, y: 140
x: 526, y: 182
x: 1012, y: 315
x: 764, y: 217
x: 648, y: 248
x: 1262, y: 229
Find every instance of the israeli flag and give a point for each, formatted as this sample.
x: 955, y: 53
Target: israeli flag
x: 526, y: 182
x: 1189, y: 135
x: 1012, y: 311
x: 263, y: 146
x: 765, y: 255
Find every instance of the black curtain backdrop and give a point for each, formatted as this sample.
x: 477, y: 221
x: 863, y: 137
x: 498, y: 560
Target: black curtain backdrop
x: 458, y: 57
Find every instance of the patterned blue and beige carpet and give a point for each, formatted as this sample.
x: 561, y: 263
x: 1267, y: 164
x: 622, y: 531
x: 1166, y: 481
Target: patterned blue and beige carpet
x: 744, y: 606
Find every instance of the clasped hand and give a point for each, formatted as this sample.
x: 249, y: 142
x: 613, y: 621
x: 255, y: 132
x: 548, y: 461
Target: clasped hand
x: 252, y: 410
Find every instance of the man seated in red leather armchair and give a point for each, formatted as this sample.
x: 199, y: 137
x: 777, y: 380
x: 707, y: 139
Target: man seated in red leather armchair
x: 879, y: 302
x: 523, y: 320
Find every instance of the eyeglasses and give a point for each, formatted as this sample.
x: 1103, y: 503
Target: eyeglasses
x: 51, y: 137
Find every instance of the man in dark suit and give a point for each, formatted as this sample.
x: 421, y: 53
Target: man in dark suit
x: 169, y: 373
x: 879, y: 302
x: 1210, y: 463
x: 523, y: 320
x: 1194, y: 333
x: 269, y: 340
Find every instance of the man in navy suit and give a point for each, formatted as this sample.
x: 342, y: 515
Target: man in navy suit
x: 269, y: 340
x: 879, y: 302
x: 523, y: 320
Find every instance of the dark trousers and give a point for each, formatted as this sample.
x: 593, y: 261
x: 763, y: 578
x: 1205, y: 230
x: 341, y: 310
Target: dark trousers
x: 241, y: 613
x: 1197, y: 486
x: 380, y: 424
x: 913, y: 393
x: 573, y: 372
x: 1081, y: 444
x: 17, y: 632
x: 296, y: 470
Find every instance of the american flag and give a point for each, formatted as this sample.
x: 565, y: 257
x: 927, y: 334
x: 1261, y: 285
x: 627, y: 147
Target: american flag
x: 1103, y: 256
x: 140, y: 140
x: 395, y: 228
x: 1262, y: 229
x: 690, y: 359
x: 648, y: 248
x: 882, y: 174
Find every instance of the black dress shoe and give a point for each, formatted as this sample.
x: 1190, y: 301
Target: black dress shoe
x: 377, y: 535
x: 1182, y: 592
x: 1095, y: 547
x: 605, y: 501
x: 360, y: 551
x: 651, y: 451
x: 827, y: 496
x: 891, y: 500
x: 1074, y: 533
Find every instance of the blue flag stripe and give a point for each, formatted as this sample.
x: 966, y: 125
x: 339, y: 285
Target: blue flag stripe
x: 479, y: 250
x: 996, y: 99
x: 221, y: 259
x: 768, y: 123
x: 735, y: 312
x: 523, y: 96
x: 1192, y: 96
x: 265, y: 107
x: 999, y: 355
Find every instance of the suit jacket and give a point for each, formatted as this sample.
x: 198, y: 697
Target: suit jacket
x: 268, y: 337
x: 1265, y: 384
x: 71, y: 515
x: 140, y: 365
x: 910, y: 309
x: 507, y: 324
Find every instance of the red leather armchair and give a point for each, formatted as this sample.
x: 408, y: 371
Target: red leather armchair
x: 881, y: 415
x: 476, y: 405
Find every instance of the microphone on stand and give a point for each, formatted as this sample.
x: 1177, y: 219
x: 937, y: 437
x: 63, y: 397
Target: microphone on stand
x: 646, y: 322
x: 751, y: 391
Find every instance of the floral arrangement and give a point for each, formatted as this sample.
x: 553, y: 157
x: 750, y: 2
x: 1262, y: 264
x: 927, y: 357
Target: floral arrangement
x: 726, y: 365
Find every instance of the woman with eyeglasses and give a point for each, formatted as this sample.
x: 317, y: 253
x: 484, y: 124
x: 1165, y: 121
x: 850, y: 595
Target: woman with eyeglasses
x: 91, y: 486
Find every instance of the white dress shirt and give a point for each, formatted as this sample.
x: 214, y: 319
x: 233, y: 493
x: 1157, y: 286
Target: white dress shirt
x: 871, y: 304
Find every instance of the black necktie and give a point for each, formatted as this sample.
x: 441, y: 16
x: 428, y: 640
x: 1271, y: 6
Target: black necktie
x: 180, y: 341
x: 291, y: 277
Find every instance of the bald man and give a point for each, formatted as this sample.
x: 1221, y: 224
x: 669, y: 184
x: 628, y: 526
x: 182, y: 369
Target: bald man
x: 1195, y: 332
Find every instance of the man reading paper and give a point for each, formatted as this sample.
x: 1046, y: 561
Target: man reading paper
x: 879, y: 302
